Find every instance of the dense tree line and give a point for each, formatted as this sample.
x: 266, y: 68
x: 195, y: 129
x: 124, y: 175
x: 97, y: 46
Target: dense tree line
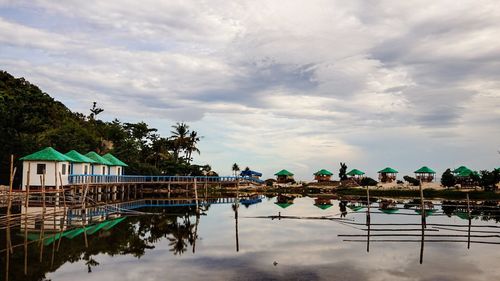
x: 30, y: 120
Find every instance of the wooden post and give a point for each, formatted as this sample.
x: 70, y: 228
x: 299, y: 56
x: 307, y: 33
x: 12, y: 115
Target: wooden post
x: 8, y: 246
x: 26, y: 200
x: 423, y: 222
x: 64, y: 216
x: 470, y: 221
x: 368, y: 205
x: 43, y: 216
x: 84, y: 216
x: 196, y: 195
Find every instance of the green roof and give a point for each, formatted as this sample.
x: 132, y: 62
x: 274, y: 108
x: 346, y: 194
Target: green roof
x: 284, y: 205
x: 467, y: 173
x: 111, y: 158
x: 388, y: 170
x: 78, y: 157
x: 323, y: 206
x: 323, y: 172
x: 425, y: 170
x: 284, y: 173
x: 47, y: 154
x: 355, y: 172
x: 460, y: 169
x: 98, y: 158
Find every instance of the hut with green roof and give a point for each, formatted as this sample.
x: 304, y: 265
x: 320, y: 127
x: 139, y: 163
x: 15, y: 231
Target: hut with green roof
x: 47, y: 166
x: 81, y: 165
x: 100, y: 167
x: 356, y: 174
x: 466, y: 177
x: 118, y: 165
x: 284, y: 176
x: 425, y: 174
x: 387, y: 174
x: 323, y: 175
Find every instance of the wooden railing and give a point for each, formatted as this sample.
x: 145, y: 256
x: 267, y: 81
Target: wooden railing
x: 108, y: 179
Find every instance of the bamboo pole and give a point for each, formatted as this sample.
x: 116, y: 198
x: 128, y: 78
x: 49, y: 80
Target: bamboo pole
x: 8, y: 245
x: 26, y: 202
x: 195, y: 185
x: 43, y: 215
x: 64, y: 215
x: 470, y: 221
x: 423, y: 222
x: 84, y: 216
x: 368, y: 205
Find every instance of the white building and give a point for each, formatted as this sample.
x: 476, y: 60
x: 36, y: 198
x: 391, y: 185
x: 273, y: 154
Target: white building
x: 117, y: 168
x: 47, y: 166
x: 100, y: 167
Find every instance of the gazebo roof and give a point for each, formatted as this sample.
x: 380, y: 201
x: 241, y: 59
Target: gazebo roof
x: 388, y: 170
x: 283, y: 173
x: 284, y: 205
x: 425, y: 170
x: 250, y: 173
x: 115, y: 161
x: 460, y: 169
x: 98, y: 159
x: 323, y: 172
x: 467, y: 173
x: 78, y: 157
x: 355, y: 172
x: 47, y: 154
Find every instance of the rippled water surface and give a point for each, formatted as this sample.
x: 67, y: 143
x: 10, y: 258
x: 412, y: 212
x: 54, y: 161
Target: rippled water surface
x: 177, y: 245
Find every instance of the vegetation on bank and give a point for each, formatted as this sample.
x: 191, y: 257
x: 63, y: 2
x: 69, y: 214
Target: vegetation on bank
x: 428, y: 193
x: 31, y: 120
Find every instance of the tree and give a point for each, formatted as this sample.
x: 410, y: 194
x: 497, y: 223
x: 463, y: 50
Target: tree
x: 343, y: 171
x: 94, y: 111
x: 236, y: 169
x: 448, y: 179
x: 367, y: 181
x: 413, y: 181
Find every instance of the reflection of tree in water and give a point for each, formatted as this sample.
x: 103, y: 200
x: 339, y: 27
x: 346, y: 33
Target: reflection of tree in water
x: 180, y: 234
x: 89, y: 262
x: 487, y: 210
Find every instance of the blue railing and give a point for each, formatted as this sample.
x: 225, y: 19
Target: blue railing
x: 93, y: 179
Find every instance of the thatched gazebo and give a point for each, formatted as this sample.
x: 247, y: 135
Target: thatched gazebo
x: 425, y: 174
x: 387, y: 175
x: 356, y: 174
x: 284, y: 176
x: 323, y: 175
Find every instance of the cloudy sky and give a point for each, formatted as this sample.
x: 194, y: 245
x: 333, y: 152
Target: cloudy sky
x: 300, y: 85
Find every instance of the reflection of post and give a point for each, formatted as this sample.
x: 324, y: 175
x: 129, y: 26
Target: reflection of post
x: 423, y: 222
x: 196, y: 195
x: 368, y: 204
x: 196, y: 232
x: 237, y: 205
x: 368, y: 237
x: 470, y: 221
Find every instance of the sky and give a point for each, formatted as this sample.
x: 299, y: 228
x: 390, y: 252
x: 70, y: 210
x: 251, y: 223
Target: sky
x: 296, y: 85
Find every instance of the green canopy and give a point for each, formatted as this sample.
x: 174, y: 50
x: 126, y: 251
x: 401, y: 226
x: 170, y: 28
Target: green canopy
x: 460, y: 169
x: 425, y: 170
x: 78, y: 157
x: 284, y: 205
x: 47, y: 154
x: 388, y: 170
x: 323, y: 206
x: 355, y: 172
x: 284, y: 173
x: 467, y: 173
x: 323, y: 172
x: 98, y: 158
x: 111, y: 158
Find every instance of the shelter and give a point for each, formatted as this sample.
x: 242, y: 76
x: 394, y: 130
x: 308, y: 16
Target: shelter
x: 47, y: 166
x: 466, y: 176
x: 323, y: 175
x: 117, y: 166
x: 81, y: 165
x: 459, y: 170
x: 387, y: 175
x: 100, y: 167
x: 355, y: 173
x: 250, y: 174
x: 284, y: 176
x: 425, y: 174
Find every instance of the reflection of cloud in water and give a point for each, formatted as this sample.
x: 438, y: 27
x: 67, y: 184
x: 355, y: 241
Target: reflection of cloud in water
x: 303, y: 250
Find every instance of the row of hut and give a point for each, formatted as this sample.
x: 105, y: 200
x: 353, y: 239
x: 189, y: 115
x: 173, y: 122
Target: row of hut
x: 53, y: 167
x: 386, y: 175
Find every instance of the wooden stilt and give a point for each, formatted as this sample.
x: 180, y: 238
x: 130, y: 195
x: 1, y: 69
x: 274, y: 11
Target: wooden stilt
x: 423, y: 223
x: 26, y: 200
x: 43, y: 217
x: 470, y: 221
x: 64, y: 216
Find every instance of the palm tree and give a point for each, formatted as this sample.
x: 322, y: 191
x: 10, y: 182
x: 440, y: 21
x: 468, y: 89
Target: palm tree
x: 179, y: 138
x: 236, y: 169
x: 193, y: 139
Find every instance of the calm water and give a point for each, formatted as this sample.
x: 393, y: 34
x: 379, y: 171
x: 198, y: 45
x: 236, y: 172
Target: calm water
x: 177, y: 246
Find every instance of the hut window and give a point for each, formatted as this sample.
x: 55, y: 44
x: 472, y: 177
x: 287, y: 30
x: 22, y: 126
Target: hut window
x: 119, y: 171
x: 63, y: 169
x: 40, y: 169
x: 86, y: 169
x: 103, y: 170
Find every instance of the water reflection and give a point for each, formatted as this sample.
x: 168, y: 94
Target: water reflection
x: 199, y: 244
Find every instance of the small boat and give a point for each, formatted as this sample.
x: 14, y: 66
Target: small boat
x: 388, y: 206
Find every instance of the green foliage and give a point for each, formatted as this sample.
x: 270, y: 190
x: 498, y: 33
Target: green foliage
x: 31, y: 120
x: 448, y: 179
x: 367, y: 181
x: 343, y: 171
x: 489, y: 179
x: 411, y: 180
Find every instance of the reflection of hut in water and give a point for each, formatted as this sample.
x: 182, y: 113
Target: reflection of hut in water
x: 356, y: 175
x: 387, y: 175
x: 388, y: 206
x: 425, y: 174
x: 323, y: 203
x: 284, y: 201
x: 284, y: 176
x: 323, y: 175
